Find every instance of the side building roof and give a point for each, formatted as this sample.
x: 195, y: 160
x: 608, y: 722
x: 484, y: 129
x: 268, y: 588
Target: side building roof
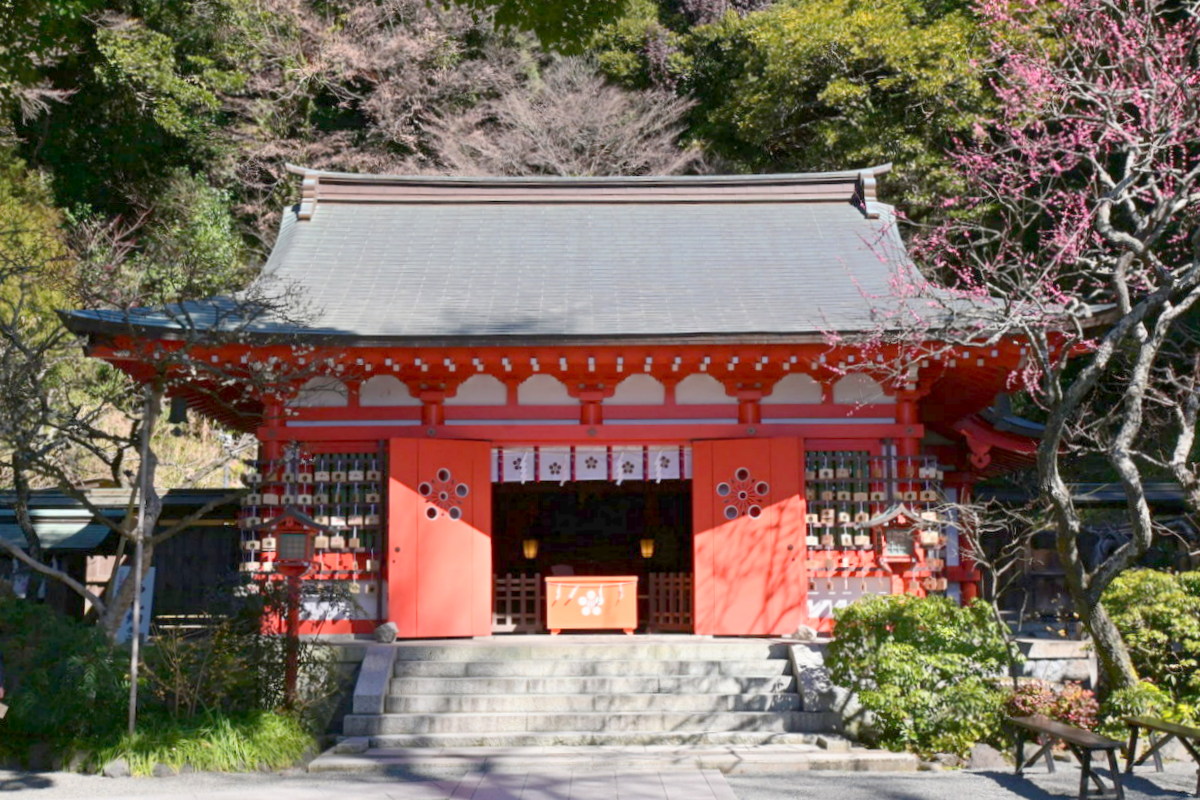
x: 428, y: 260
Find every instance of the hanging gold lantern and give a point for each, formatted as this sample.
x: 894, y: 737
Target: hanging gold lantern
x: 530, y: 548
x: 647, y: 548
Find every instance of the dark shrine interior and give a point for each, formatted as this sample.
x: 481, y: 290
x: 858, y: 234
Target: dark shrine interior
x: 592, y: 527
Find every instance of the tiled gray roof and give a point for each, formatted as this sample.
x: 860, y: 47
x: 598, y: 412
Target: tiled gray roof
x: 388, y: 269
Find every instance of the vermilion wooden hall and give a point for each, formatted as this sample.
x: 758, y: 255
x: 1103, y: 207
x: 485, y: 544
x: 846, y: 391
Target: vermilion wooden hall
x: 536, y: 404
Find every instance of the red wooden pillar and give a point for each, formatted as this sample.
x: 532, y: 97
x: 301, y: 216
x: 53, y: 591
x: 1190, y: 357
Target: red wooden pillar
x: 907, y: 414
x: 433, y: 411
x: 967, y: 573
x: 273, y: 432
x: 591, y: 410
x: 749, y: 408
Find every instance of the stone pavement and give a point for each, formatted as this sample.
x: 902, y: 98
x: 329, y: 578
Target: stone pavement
x: 533, y: 783
x: 832, y: 753
x: 519, y: 785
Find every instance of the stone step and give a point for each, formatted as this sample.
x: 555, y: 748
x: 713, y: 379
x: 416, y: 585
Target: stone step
x: 675, y: 684
x: 563, y: 648
x: 591, y: 739
x: 580, y: 667
x: 768, y: 757
x: 534, y: 703
x: 644, y: 721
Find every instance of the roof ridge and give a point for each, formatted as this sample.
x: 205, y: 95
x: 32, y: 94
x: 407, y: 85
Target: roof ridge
x: 837, y: 176
x: 853, y: 186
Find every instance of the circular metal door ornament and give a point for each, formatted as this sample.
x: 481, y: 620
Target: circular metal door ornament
x: 444, y: 495
x: 744, y: 495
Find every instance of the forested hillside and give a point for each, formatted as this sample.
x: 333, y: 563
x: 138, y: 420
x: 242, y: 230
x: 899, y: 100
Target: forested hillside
x: 181, y: 116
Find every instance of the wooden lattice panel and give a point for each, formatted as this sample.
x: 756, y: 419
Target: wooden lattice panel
x: 517, y: 604
x: 670, y: 601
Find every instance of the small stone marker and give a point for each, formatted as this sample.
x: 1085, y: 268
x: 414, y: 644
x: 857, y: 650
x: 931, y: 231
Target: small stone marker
x: 984, y: 756
x: 386, y: 633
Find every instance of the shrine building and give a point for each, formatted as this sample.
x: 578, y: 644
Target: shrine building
x: 531, y: 404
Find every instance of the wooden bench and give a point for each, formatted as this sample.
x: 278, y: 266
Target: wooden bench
x: 1082, y: 743
x: 1187, y: 736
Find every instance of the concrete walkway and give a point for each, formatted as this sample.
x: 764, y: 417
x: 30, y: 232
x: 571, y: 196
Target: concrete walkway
x: 834, y: 753
x: 519, y: 785
x: 534, y: 784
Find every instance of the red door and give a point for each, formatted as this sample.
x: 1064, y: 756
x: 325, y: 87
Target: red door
x: 749, y: 536
x: 439, y: 538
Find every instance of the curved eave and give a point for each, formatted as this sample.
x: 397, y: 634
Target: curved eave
x: 86, y: 323
x: 994, y: 450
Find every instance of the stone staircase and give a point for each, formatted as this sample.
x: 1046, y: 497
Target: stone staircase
x: 587, y: 690
x: 664, y: 699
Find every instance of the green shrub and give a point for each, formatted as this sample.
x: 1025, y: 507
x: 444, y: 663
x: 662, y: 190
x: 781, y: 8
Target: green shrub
x: 232, y: 666
x: 1158, y: 614
x: 209, y: 699
x: 1190, y: 582
x: 1071, y: 703
x: 63, y: 681
x: 1147, y: 699
x: 926, y: 667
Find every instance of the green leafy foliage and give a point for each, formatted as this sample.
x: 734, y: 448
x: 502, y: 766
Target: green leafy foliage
x: 193, y: 249
x: 143, y: 61
x: 210, y: 700
x: 63, y: 683
x: 1158, y: 614
x: 926, y: 667
x: 140, y: 89
x: 34, y: 34
x: 1143, y: 698
x: 564, y: 26
x: 813, y: 85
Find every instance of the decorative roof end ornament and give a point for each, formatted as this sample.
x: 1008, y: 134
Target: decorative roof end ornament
x: 865, y: 190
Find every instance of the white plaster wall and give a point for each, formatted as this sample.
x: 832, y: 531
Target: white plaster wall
x: 543, y: 390
x: 859, y: 389
x: 386, y: 390
x: 699, y: 389
x: 638, y: 390
x: 480, y: 390
x: 322, y: 392
x: 796, y: 388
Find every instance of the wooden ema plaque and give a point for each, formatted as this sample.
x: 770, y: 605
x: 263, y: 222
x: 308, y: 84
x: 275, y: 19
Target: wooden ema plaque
x: 591, y: 602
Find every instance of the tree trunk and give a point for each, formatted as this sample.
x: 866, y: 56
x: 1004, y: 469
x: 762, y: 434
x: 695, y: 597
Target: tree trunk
x: 1115, y: 664
x: 119, y: 605
x: 1116, y: 667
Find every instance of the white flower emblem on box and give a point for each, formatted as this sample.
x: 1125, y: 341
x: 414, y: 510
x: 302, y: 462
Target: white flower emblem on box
x: 591, y: 602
